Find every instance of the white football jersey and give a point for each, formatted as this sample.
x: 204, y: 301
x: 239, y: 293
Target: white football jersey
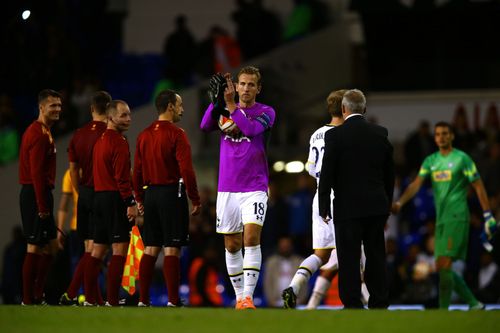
x: 316, y: 151
x: 323, y: 233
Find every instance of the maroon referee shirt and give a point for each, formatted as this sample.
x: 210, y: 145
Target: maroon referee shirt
x: 37, y: 162
x: 81, y: 147
x: 162, y: 156
x: 111, y: 164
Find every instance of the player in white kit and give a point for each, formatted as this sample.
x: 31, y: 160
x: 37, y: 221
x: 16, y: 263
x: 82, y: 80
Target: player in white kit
x: 323, y: 232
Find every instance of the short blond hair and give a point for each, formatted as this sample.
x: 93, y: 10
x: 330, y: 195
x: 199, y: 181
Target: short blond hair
x: 334, y: 102
x: 251, y: 70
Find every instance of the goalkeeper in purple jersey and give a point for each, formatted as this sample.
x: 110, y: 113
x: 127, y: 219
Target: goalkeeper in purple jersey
x: 243, y: 180
x: 450, y: 171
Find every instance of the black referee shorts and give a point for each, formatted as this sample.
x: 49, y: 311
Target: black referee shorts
x: 36, y: 230
x: 166, y: 216
x: 84, y: 221
x: 110, y: 218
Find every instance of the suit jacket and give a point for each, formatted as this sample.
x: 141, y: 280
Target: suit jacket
x: 358, y: 166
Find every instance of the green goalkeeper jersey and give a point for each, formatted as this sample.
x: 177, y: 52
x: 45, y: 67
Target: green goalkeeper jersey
x: 450, y: 176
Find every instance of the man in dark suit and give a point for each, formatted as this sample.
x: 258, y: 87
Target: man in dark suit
x: 358, y: 166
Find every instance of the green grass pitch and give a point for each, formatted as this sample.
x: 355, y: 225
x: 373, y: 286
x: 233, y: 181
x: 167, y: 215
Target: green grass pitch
x: 204, y: 320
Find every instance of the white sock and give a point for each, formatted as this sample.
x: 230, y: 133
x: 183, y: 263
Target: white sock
x: 251, y: 267
x: 234, y: 264
x: 304, y: 273
x: 320, y: 289
x: 364, y: 294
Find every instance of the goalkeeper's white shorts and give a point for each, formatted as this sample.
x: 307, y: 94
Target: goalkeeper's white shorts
x: 234, y: 210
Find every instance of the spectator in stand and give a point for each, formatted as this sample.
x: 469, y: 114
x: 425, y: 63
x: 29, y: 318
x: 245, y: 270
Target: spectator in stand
x: 270, y: 26
x: 418, y: 146
x: 205, y: 58
x: 299, y: 21
x: 204, y: 279
x: 277, y: 221
x: 252, y: 22
x: 490, y: 132
x: 201, y: 230
x: 279, y: 271
x: 421, y: 275
x: 81, y: 93
x: 393, y: 277
x: 246, y: 21
x: 227, y: 51
x: 490, y: 170
x: 9, y: 140
x: 464, y: 138
x: 218, y: 52
x: 307, y: 16
x: 300, y: 213
x: 179, y: 52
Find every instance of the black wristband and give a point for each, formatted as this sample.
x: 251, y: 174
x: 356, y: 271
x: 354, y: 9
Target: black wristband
x: 219, y: 110
x: 130, y: 201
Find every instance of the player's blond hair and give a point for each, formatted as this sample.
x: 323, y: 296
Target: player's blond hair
x: 251, y: 70
x: 334, y: 103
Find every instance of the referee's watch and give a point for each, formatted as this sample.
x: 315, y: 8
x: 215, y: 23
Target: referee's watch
x: 130, y: 201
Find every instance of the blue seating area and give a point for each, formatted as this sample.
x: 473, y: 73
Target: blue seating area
x: 132, y: 77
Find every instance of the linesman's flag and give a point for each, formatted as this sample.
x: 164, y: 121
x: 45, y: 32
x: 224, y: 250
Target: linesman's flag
x: 134, y: 255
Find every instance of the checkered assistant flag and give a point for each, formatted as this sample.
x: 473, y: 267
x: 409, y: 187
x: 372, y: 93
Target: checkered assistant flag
x: 134, y: 255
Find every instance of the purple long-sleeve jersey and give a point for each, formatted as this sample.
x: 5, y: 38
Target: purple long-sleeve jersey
x: 243, y: 161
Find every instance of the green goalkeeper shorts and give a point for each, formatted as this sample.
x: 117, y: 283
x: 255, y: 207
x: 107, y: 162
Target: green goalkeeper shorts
x: 451, y: 239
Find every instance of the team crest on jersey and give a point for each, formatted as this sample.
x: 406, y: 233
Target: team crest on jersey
x: 441, y: 176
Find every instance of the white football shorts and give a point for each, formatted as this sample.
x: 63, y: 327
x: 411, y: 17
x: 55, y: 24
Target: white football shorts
x: 323, y: 233
x: 235, y: 209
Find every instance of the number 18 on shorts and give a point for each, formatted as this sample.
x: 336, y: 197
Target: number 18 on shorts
x: 234, y: 210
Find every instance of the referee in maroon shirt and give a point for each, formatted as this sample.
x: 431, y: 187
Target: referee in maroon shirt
x: 114, y: 204
x: 37, y: 172
x: 80, y: 152
x: 162, y: 165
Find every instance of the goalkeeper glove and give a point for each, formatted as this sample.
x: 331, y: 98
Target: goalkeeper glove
x: 490, y: 224
x: 216, y: 86
x: 484, y: 241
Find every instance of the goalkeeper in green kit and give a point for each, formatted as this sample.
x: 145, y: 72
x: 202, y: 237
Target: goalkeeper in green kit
x: 450, y: 171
